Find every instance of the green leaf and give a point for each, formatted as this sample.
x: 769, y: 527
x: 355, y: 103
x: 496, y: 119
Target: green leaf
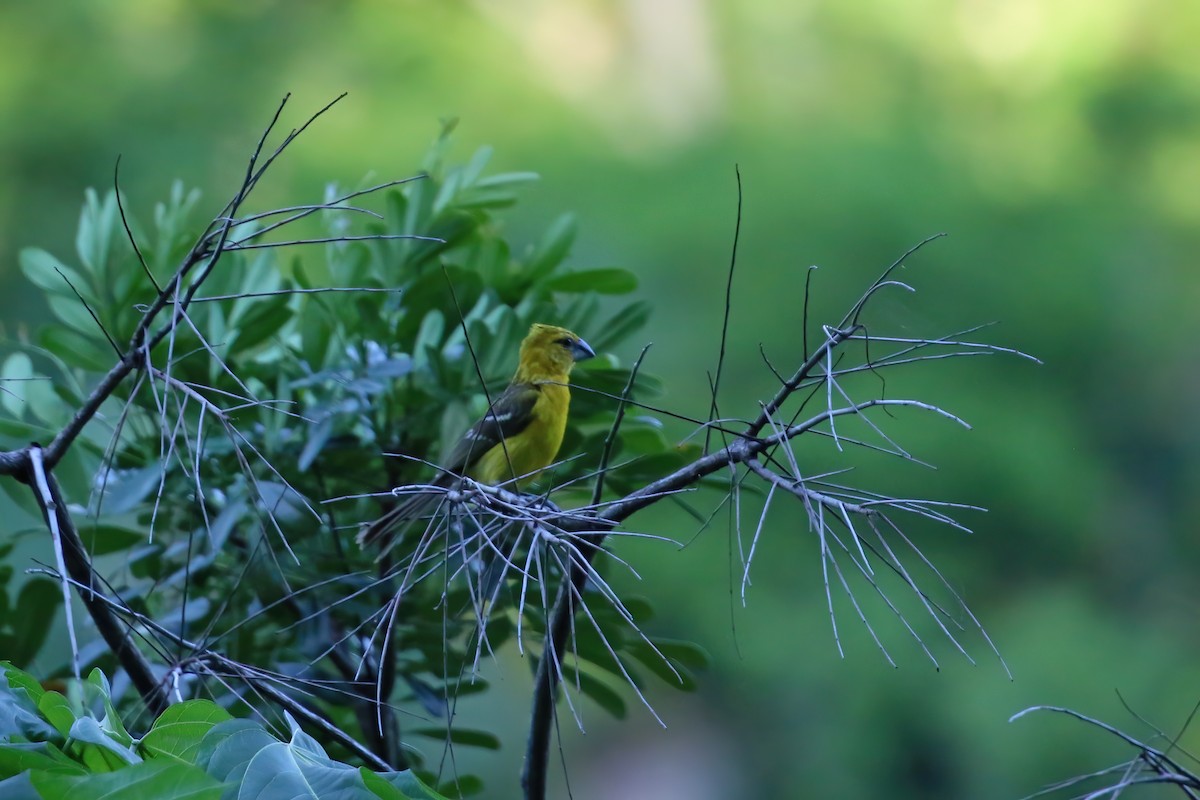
x: 110, y: 752
x: 125, y: 490
x: 318, y: 435
x: 505, y: 179
x: 51, y: 275
x: 18, y: 757
x: 72, y: 312
x: 265, y: 319
x: 623, y: 324
x: 463, y: 736
x: 282, y: 771
x: 14, y: 375
x: 111, y: 723
x: 37, y: 605
x: 19, y: 787
x: 601, y: 693
x: 96, y: 223
x: 102, y: 539
x: 659, y: 666
x: 398, y: 785
x: 57, y: 711
x: 601, y: 281
x: 553, y: 248
x: 161, y: 780
x: 20, y: 715
x: 179, y: 730
x: 227, y: 748
x: 77, y: 349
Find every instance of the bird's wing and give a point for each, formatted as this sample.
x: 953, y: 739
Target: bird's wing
x: 510, y: 414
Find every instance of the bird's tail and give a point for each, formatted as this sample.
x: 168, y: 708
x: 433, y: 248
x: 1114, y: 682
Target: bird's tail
x: 381, y: 531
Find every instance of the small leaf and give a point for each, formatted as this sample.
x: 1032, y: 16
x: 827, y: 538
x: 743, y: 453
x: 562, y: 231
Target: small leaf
x: 37, y: 605
x: 601, y: 281
x: 103, y: 539
x: 128, y: 489
x: 553, y: 248
x: 71, y: 311
x: 264, y: 320
x: 96, y: 223
x: 604, y: 696
x: 76, y: 349
x: 14, y: 374
x: 51, y: 275
x: 318, y: 435
x: 57, y: 711
x: 462, y: 736
x: 629, y: 319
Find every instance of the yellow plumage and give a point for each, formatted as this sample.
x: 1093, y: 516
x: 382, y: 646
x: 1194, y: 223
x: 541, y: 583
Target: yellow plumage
x: 521, y: 433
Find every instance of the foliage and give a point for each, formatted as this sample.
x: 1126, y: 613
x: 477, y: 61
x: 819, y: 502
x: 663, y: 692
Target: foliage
x: 56, y: 745
x: 226, y: 479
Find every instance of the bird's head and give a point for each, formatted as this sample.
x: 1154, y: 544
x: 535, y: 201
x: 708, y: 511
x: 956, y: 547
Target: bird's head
x: 549, y: 352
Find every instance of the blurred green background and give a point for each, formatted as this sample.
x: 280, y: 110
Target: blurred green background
x: 1057, y: 143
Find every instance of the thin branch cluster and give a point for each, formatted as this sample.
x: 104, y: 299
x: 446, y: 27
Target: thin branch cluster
x: 520, y: 566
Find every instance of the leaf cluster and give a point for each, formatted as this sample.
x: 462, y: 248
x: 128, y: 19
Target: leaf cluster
x: 222, y: 485
x: 73, y: 743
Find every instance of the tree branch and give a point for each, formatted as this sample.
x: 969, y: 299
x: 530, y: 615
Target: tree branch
x: 87, y: 586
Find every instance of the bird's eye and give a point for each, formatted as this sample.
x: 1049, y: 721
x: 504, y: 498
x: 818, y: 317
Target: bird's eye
x: 565, y: 342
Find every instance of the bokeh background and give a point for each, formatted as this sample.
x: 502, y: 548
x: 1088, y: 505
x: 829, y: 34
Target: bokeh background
x: 1058, y: 144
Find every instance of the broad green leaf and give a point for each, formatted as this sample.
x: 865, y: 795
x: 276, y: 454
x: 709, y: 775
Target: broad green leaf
x: 160, y: 780
x: 462, y: 785
x: 178, y: 731
x: 57, y: 711
x: 19, y: 787
x: 227, y: 747
x: 282, y: 771
x: 398, y: 785
x: 20, y: 715
x: 17, y: 679
x: 18, y: 757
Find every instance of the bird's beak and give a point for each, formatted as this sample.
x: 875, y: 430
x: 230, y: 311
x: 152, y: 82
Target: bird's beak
x: 581, y: 350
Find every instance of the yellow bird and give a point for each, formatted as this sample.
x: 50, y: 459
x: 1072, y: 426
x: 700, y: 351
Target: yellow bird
x: 520, y: 434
